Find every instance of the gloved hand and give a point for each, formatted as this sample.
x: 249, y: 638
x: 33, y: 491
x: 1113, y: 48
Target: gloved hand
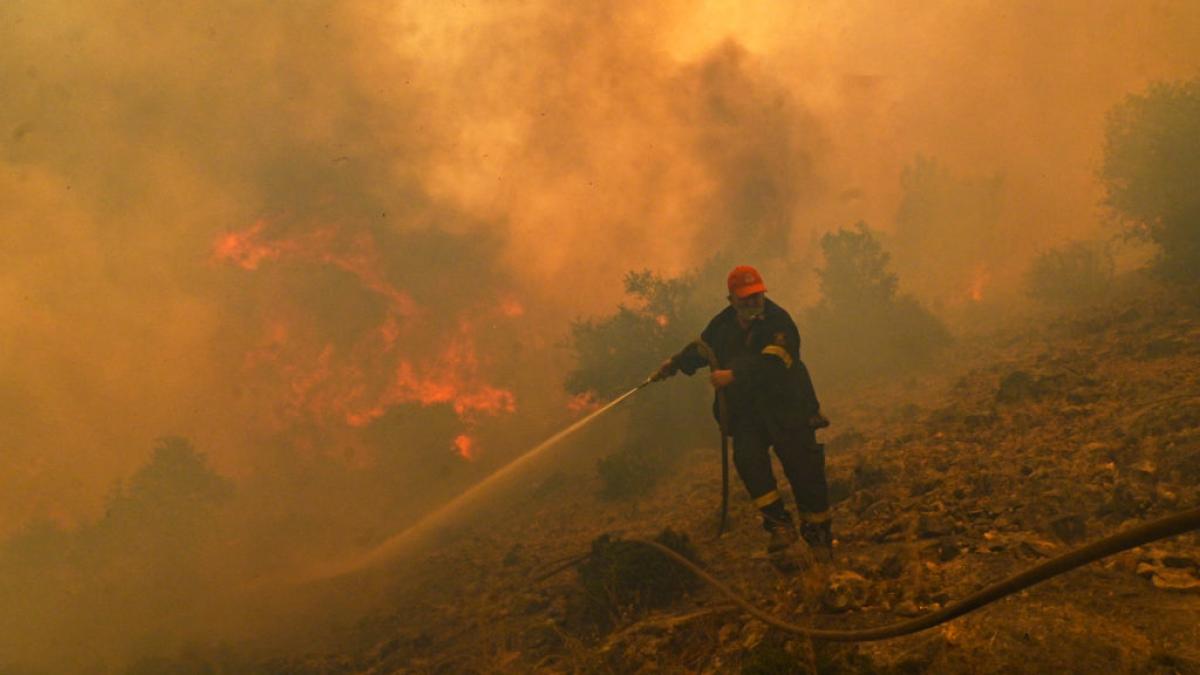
x: 667, y: 369
x: 721, y: 378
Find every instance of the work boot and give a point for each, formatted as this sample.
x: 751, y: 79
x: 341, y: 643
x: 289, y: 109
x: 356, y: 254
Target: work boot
x: 782, y: 537
x: 779, y: 547
x: 819, y: 538
x: 818, y: 421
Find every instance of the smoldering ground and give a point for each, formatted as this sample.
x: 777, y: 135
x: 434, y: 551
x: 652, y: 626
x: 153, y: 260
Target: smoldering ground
x: 428, y: 193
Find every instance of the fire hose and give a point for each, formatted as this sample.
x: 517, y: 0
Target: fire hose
x: 1162, y: 528
x: 1167, y: 526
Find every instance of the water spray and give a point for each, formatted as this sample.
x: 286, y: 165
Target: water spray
x: 408, y: 538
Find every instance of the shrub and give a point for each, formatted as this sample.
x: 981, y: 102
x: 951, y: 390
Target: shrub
x: 623, y: 577
x: 1151, y: 161
x: 1072, y: 273
x: 616, y: 352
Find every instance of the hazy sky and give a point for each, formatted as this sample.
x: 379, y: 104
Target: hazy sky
x: 410, y: 181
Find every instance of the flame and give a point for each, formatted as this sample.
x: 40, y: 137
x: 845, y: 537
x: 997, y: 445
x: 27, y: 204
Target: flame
x: 245, y: 249
x: 248, y: 249
x: 979, y: 279
x: 464, y: 446
x: 583, y: 402
x: 357, y: 385
x: 511, y: 308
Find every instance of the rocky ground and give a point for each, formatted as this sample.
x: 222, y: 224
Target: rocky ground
x: 1021, y: 445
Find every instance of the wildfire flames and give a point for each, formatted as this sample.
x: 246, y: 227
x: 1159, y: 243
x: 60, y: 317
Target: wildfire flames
x: 584, y: 402
x: 979, y: 280
x: 357, y: 385
x: 463, y: 444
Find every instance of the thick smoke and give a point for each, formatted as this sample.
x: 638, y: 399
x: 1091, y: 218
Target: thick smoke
x: 241, y: 222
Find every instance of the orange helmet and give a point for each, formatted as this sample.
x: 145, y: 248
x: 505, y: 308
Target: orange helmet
x: 744, y: 280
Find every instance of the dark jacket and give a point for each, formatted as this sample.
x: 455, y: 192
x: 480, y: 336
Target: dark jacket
x: 771, y: 385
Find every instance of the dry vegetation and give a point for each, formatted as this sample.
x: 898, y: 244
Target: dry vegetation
x: 1026, y: 442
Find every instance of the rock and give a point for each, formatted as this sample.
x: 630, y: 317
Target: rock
x: 1131, y: 314
x: 1032, y: 547
x: 1145, y: 469
x: 981, y: 420
x: 513, y: 556
x: 1098, y: 448
x: 839, y: 489
x: 1174, y: 580
x: 753, y: 633
x: 907, y: 608
x: 1082, y: 398
x: 930, y: 526
x: 893, y: 532
x: 1145, y: 570
x: 1017, y: 386
x: 1163, y: 558
x: 846, y: 590
x: 532, y: 603
x: 1178, y: 561
x: 1070, y: 528
x: 867, y: 475
x: 849, y: 439
x: 891, y: 567
x: 1165, y: 495
x: 1161, y: 348
x: 948, y: 550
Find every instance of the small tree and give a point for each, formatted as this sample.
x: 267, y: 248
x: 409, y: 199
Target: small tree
x: 1151, y: 171
x: 172, y: 492
x: 856, y: 270
x: 862, y: 326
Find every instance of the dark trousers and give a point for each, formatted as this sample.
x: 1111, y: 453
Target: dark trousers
x: 803, y: 461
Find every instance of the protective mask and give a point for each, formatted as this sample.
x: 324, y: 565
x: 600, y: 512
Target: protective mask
x: 749, y: 313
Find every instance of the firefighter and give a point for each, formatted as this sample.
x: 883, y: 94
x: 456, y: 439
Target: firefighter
x: 771, y: 403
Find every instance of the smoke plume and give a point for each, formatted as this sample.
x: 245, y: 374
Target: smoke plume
x: 336, y: 244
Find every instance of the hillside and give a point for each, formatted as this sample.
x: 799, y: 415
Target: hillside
x: 1019, y: 445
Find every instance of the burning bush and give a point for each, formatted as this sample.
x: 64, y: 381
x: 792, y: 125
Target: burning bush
x: 1075, y: 272
x: 861, y: 326
x: 1151, y: 160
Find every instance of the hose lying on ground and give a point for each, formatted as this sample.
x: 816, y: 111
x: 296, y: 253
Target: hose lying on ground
x: 1162, y: 528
